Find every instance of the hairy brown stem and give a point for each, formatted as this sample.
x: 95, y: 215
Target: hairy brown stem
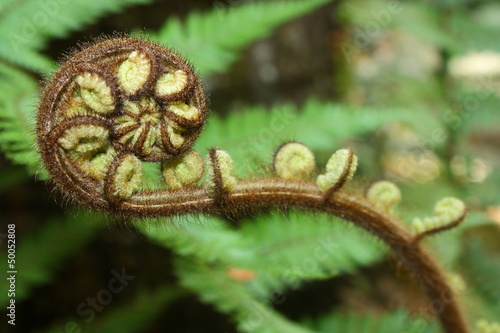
x: 263, y: 193
x: 122, y: 102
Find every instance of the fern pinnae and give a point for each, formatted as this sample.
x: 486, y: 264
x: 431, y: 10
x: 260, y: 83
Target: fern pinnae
x: 197, y: 238
x: 289, y: 249
x: 394, y: 321
x: 44, y: 20
x: 308, y: 233
x: 18, y: 94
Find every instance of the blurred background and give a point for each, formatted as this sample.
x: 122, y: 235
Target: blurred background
x: 412, y: 86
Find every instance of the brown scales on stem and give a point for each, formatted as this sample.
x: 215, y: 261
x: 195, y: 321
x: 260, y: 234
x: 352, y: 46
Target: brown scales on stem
x: 93, y: 137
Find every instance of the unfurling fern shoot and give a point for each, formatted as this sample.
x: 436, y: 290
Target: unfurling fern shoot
x: 112, y: 106
x: 124, y: 102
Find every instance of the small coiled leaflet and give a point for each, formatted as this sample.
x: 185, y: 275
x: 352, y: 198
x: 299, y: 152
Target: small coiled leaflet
x: 111, y: 107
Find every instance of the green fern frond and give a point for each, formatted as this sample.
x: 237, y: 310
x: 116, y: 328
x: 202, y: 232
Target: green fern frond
x: 206, y: 238
x: 212, y: 40
x: 26, y: 26
x: 282, y: 253
x: 18, y: 93
x: 305, y: 247
x: 214, y: 286
x: 397, y: 321
x: 39, y: 254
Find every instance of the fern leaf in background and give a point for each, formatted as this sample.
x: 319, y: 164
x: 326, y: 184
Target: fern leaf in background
x: 206, y: 238
x: 274, y: 245
x: 27, y: 25
x: 302, y: 247
x: 223, y: 32
x: 278, y: 254
x: 18, y: 94
x: 398, y: 321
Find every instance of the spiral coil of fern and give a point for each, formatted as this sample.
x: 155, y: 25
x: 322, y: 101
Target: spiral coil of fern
x: 122, y: 102
x: 111, y: 106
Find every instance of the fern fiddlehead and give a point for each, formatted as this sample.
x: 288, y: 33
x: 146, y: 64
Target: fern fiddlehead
x: 112, y: 106
x: 124, y: 102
